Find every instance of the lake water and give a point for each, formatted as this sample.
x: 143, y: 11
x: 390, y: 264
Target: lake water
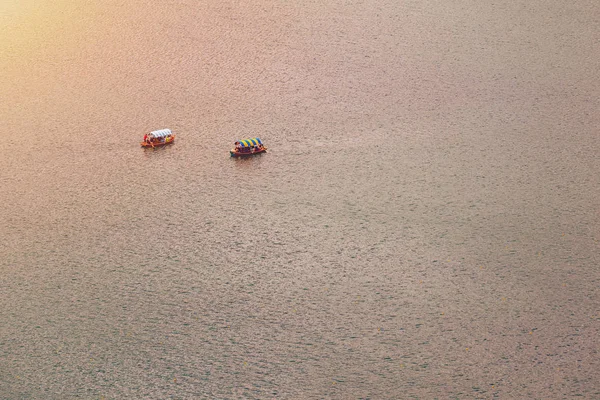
x: 425, y: 224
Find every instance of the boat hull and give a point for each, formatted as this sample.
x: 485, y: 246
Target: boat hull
x: 234, y: 153
x: 159, y: 144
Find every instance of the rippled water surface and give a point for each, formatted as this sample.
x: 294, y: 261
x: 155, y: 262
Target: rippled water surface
x: 424, y: 225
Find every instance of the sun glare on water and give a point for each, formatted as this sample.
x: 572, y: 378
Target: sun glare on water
x: 11, y: 11
x: 10, y: 7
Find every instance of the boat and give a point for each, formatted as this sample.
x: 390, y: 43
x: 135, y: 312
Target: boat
x: 158, y: 138
x: 248, y: 147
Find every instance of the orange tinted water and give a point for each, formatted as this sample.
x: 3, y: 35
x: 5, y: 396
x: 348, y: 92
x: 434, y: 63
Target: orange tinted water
x: 424, y: 224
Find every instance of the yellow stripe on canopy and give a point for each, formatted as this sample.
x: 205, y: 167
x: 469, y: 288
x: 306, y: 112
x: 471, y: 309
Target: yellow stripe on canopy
x: 250, y: 142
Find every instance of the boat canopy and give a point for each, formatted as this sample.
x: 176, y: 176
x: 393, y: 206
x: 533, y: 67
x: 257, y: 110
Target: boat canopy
x: 160, y: 133
x: 250, y: 142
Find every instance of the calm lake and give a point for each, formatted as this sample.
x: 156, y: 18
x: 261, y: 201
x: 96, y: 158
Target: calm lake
x: 425, y: 223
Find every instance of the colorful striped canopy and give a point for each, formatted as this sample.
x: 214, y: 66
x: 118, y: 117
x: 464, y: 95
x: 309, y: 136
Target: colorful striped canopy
x: 250, y: 142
